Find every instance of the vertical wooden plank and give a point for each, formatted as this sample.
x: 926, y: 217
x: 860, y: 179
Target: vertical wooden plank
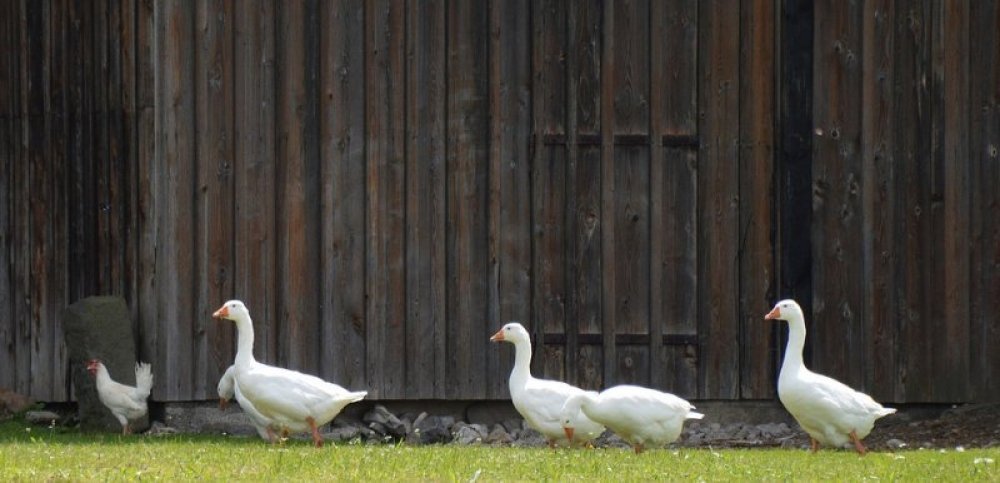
x: 385, y: 138
x: 877, y: 183
x: 425, y: 200
x: 10, y: 135
x: 467, y: 167
x: 984, y: 149
x: 19, y: 204
x: 146, y: 189
x: 548, y: 185
x: 631, y: 222
x: 756, y: 172
x: 214, y: 206
x: 673, y: 179
x: 297, y: 186
x: 913, y: 215
x: 342, y: 107
x: 255, y: 270
x: 174, y: 175
x: 952, y: 71
x: 510, y: 186
x: 584, y: 190
x: 37, y: 43
x: 718, y: 201
x: 607, y: 199
x: 837, y: 239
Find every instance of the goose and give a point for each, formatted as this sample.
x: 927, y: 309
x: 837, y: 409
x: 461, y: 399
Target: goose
x: 829, y: 411
x: 289, y: 400
x: 227, y: 391
x: 639, y: 415
x: 539, y: 401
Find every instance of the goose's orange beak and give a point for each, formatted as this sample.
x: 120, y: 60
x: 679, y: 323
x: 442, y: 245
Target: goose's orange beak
x: 569, y: 433
x: 774, y: 314
x: 498, y: 336
x: 221, y: 313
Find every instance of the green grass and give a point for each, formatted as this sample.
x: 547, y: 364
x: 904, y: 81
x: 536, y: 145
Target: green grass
x: 60, y: 454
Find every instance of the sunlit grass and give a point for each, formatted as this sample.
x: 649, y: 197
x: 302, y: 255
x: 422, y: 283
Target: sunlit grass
x: 42, y: 453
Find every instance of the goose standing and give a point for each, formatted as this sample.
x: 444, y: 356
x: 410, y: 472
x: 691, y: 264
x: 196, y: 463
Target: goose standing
x: 829, y: 411
x: 289, y: 400
x: 639, y: 415
x: 540, y: 400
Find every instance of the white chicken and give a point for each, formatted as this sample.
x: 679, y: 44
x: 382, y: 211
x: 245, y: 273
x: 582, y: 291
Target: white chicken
x: 125, y: 402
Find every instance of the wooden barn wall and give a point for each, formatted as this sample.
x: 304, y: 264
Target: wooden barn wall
x: 385, y: 183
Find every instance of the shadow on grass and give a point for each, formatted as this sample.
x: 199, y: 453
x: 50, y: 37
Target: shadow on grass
x: 20, y: 431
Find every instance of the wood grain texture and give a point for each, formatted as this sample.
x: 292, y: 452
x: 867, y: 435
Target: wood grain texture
x: 718, y: 201
x: 467, y: 205
x: 877, y: 184
x: 757, y: 283
x: 385, y: 134
x: 426, y: 332
x: 254, y: 164
x: 509, y: 177
x: 175, y: 178
x: 835, y: 322
x: 297, y: 186
x: 214, y: 199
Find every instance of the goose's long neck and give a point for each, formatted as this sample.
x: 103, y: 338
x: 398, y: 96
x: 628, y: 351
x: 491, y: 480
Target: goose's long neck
x: 522, y: 364
x: 244, y: 342
x: 796, y: 341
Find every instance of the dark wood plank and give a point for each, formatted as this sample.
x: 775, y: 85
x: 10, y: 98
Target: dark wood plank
x: 385, y: 136
x: 952, y: 70
x: 214, y: 200
x: 718, y: 205
x: 836, y: 320
x: 425, y: 204
x: 8, y: 27
x: 467, y: 168
x: 673, y: 256
x: 607, y: 212
x: 175, y: 179
x: 630, y: 89
x: 584, y: 191
x: 877, y: 185
x: 146, y: 188
x: 550, y: 265
x: 510, y: 185
x: 548, y: 186
x: 913, y: 215
x: 985, y: 174
x: 297, y: 185
x: 342, y: 107
x: 757, y: 285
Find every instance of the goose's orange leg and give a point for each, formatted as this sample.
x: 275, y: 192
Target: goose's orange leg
x: 316, y: 437
x: 815, y: 444
x: 857, y: 443
x: 638, y: 448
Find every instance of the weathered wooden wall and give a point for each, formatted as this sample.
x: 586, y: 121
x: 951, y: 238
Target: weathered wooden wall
x: 386, y: 182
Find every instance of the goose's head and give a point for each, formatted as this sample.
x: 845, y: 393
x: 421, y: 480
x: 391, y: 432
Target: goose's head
x: 513, y: 332
x: 232, y: 310
x: 785, y: 310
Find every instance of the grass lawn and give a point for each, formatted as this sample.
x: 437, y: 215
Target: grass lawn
x: 61, y: 454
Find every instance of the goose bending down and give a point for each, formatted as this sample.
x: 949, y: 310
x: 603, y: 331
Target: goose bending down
x: 540, y: 400
x: 829, y: 411
x: 289, y: 400
x: 639, y: 415
x: 227, y: 391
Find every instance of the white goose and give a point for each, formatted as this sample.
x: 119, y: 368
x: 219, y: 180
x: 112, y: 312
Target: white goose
x: 290, y: 400
x: 227, y: 390
x: 639, y: 415
x: 831, y: 412
x: 540, y: 400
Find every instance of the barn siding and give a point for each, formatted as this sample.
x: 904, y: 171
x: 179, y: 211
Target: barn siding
x: 386, y: 183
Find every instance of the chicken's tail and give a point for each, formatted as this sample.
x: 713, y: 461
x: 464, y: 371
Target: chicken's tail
x: 143, y: 378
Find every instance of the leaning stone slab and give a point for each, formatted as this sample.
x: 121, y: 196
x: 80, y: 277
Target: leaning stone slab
x: 100, y: 327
